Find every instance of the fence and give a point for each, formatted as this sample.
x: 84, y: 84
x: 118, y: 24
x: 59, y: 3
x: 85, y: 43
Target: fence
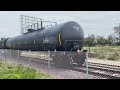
x: 94, y: 67
x: 37, y: 59
x: 18, y: 55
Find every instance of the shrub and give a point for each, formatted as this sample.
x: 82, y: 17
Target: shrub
x: 101, y: 56
x: 10, y: 71
x: 114, y: 56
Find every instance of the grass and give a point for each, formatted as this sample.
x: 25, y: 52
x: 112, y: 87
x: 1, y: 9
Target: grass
x: 104, y: 52
x: 12, y: 71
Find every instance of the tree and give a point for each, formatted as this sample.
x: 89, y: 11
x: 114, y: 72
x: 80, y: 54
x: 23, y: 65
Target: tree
x: 90, y: 41
x: 101, y: 40
x: 110, y: 40
x: 117, y: 31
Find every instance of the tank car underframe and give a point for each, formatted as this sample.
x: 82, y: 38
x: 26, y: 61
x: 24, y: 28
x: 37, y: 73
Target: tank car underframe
x: 66, y: 59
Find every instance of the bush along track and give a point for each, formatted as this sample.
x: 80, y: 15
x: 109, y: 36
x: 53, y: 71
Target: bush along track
x: 105, y: 52
x: 12, y: 71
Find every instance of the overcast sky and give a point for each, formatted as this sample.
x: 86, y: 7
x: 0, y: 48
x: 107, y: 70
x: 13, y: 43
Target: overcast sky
x: 93, y: 22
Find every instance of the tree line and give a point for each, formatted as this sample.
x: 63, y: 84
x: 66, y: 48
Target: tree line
x: 100, y: 40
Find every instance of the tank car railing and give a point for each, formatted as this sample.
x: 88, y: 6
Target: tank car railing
x: 38, y: 26
x: 28, y: 22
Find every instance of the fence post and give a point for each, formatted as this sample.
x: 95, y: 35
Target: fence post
x: 86, y: 60
x: 3, y: 55
x: 0, y: 54
x: 49, y: 60
x: 6, y: 54
x: 29, y: 58
x: 10, y: 54
x: 18, y: 56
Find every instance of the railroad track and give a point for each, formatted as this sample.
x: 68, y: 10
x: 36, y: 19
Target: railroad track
x: 103, y: 70
x: 106, y: 67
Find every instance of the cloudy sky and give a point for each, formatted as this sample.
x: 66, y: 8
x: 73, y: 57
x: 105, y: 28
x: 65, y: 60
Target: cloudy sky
x: 93, y: 22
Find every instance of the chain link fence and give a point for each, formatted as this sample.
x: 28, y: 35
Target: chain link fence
x: 19, y: 55
x: 105, y: 59
x: 44, y: 61
x: 95, y: 66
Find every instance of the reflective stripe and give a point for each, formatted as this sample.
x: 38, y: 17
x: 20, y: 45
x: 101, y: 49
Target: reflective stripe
x: 59, y: 38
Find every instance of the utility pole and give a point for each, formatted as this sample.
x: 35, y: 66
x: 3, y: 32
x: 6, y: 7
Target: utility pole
x: 0, y: 35
x: 89, y: 43
x: 119, y: 33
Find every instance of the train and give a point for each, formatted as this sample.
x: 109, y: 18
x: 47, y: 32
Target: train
x: 68, y: 36
x: 61, y: 37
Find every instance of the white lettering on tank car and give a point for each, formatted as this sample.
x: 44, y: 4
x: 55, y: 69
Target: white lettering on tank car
x: 77, y: 28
